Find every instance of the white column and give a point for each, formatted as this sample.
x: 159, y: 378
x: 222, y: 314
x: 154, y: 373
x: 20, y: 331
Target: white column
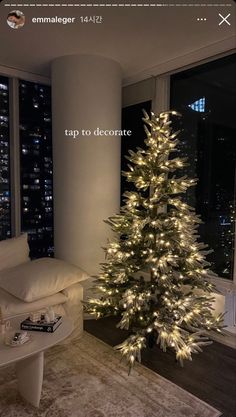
x: 86, y: 94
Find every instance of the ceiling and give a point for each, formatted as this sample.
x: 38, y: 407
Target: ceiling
x: 141, y: 39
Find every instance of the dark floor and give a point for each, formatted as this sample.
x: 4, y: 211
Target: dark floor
x: 211, y: 375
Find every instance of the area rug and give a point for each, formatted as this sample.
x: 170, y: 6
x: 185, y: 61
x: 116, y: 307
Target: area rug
x: 86, y: 378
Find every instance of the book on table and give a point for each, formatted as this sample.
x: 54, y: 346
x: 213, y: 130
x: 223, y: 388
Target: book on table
x: 41, y: 325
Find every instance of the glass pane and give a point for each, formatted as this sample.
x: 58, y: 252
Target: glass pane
x: 206, y: 97
x: 5, y: 209
x: 36, y: 167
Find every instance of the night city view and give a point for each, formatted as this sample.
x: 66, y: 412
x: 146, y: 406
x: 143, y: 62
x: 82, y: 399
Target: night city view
x: 206, y: 98
x: 5, y: 221
x: 36, y: 167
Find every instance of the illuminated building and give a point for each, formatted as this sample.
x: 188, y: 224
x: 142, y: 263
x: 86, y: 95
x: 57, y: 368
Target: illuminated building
x: 36, y: 167
x: 5, y: 223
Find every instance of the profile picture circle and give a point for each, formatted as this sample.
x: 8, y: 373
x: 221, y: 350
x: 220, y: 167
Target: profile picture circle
x: 16, y: 19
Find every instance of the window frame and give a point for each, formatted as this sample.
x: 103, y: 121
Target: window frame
x: 14, y: 76
x: 160, y: 96
x: 159, y: 93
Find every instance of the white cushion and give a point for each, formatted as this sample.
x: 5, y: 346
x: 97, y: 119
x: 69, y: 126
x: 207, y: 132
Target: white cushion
x: 40, y: 278
x: 14, y: 251
x: 12, y: 306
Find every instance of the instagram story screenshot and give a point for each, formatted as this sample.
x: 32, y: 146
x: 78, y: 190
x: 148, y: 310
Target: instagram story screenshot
x: 117, y: 208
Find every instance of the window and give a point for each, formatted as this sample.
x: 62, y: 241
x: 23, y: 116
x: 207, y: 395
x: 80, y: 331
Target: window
x: 36, y: 167
x: 5, y: 209
x: 206, y: 98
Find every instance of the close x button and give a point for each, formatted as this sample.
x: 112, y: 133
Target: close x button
x: 224, y: 19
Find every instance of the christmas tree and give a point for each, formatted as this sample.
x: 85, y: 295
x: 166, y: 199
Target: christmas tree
x: 155, y: 274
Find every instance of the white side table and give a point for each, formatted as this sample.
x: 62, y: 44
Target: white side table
x: 29, y: 358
